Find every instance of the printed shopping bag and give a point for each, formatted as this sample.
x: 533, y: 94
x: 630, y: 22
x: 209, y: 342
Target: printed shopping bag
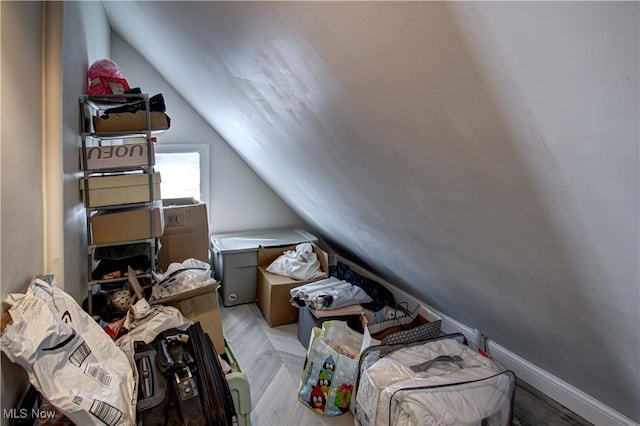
x: 331, y: 368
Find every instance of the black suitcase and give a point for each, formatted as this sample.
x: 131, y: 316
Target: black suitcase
x: 181, y: 381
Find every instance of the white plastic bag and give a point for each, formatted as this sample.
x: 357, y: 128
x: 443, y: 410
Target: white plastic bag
x: 70, y: 360
x: 181, y: 277
x: 145, y: 322
x: 301, y: 264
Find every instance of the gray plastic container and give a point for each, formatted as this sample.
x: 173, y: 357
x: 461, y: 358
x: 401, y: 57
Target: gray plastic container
x: 235, y: 259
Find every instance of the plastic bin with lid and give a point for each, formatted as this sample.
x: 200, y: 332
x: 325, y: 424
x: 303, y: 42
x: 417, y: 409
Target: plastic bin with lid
x: 235, y: 259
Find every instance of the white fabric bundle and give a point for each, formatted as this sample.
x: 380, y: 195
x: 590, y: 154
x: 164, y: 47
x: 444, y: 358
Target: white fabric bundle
x: 303, y: 292
x: 301, y: 264
x: 330, y: 293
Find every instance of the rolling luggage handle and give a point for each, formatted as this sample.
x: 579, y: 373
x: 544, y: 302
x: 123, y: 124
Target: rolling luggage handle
x: 424, y: 366
x: 153, y: 388
x: 175, y: 362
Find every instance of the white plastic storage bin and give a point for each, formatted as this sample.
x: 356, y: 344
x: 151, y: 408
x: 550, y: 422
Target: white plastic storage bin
x: 235, y: 259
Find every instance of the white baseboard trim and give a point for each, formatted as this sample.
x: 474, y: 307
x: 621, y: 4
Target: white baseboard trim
x: 574, y: 399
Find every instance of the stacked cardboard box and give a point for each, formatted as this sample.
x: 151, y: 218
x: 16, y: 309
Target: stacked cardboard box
x: 121, y: 226
x: 113, y: 190
x: 131, y: 122
x: 118, y: 156
x: 273, y: 290
x: 186, y: 232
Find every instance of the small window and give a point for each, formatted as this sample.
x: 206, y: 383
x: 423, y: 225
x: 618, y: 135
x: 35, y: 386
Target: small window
x: 183, y: 171
x: 179, y: 174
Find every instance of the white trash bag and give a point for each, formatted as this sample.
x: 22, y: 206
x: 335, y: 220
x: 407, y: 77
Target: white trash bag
x: 144, y: 322
x: 70, y: 360
x: 301, y: 264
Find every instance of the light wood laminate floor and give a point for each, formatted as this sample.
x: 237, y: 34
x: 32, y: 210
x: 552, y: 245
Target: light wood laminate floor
x: 273, y: 359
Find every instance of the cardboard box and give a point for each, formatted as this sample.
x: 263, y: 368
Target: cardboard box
x: 119, y: 226
x: 273, y: 290
x: 114, y: 190
x: 120, y: 156
x: 422, y: 325
x: 200, y: 305
x: 130, y: 122
x: 186, y: 232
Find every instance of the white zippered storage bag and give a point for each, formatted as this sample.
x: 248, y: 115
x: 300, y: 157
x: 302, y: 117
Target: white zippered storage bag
x: 441, y: 381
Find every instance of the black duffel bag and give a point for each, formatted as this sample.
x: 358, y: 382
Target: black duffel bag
x: 181, y: 381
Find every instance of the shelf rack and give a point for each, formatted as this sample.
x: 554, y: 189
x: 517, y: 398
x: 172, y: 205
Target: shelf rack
x: 90, y: 107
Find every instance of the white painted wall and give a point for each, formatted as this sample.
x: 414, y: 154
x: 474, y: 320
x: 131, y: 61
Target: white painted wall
x: 238, y: 198
x: 567, y: 91
x: 483, y: 156
x: 21, y: 188
x: 41, y: 166
x: 86, y: 38
x: 43, y: 224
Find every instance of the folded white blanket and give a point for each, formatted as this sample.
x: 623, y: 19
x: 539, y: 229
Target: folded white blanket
x: 328, y: 294
x: 303, y: 291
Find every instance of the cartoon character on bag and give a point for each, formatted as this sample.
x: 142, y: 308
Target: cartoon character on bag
x: 317, y: 399
x: 329, y: 365
x: 326, y: 375
x: 324, y: 382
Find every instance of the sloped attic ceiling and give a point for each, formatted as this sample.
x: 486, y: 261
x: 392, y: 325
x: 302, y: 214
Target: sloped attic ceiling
x: 482, y: 156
